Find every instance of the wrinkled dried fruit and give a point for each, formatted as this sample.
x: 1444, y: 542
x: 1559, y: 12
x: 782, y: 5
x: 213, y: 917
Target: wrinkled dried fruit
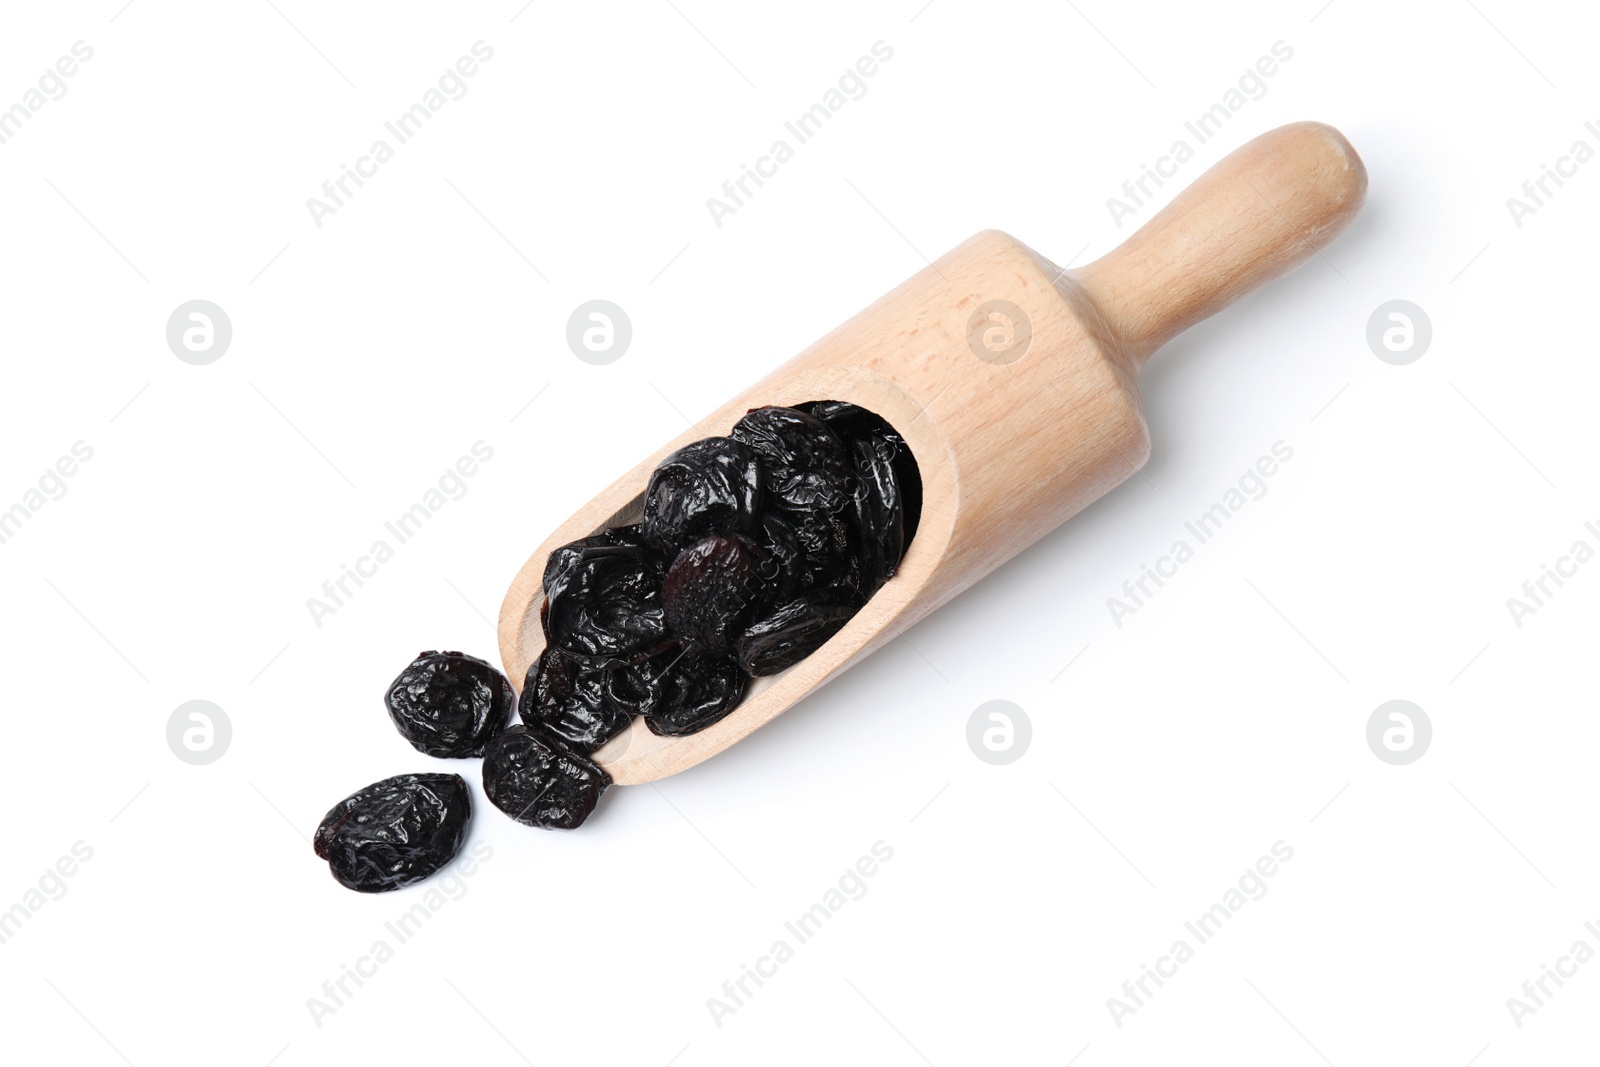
x: 711, y: 484
x: 824, y: 539
x: 851, y: 424
x: 570, y: 698
x: 795, y: 630
x: 604, y: 603
x: 804, y: 465
x: 753, y: 551
x: 879, y: 514
x: 449, y: 704
x: 633, y: 688
x: 531, y: 778
x: 557, y: 567
x: 683, y: 692
x: 786, y: 557
x: 395, y: 832
x: 712, y: 588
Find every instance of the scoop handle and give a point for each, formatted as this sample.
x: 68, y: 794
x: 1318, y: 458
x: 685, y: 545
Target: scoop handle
x: 1260, y: 212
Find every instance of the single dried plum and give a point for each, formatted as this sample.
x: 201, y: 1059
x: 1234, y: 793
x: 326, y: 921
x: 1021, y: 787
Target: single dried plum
x: 570, y: 699
x: 395, y: 832
x: 847, y: 421
x: 559, y: 565
x: 783, y: 563
x: 879, y: 513
x: 851, y: 424
x: 682, y: 693
x: 603, y: 603
x: 632, y: 688
x: 710, y: 484
x: 794, y: 630
x: 711, y: 589
x: 802, y: 461
x: 449, y: 704
x: 531, y: 778
x: 824, y: 539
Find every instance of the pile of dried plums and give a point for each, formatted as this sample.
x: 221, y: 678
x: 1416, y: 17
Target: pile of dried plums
x: 754, y: 549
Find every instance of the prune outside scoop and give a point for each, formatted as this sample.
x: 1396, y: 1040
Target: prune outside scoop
x: 1015, y: 384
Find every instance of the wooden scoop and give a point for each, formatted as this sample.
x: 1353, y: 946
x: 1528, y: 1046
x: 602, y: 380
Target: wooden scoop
x: 1015, y: 384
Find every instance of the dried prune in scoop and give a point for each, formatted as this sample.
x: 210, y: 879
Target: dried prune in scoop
x: 532, y: 778
x: 395, y: 832
x: 784, y: 562
x: 824, y: 539
x: 682, y: 693
x: 569, y: 698
x: 793, y: 631
x: 850, y: 424
x: 802, y: 461
x: 449, y: 704
x: 557, y: 567
x: 711, y: 484
x: 603, y: 603
x: 847, y: 421
x: 711, y: 589
x: 879, y: 513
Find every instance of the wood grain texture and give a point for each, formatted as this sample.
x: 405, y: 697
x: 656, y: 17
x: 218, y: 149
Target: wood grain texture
x: 1007, y: 450
x: 1261, y: 211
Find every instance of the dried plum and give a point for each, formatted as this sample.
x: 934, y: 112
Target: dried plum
x: 784, y: 560
x: 449, y: 704
x: 824, y: 539
x: 557, y: 567
x: 847, y: 421
x: 795, y: 630
x: 632, y: 688
x: 711, y: 589
x: 710, y: 484
x: 571, y: 699
x: 879, y: 516
x: 532, y: 778
x: 682, y: 693
x: 395, y: 832
x: 603, y: 603
x: 804, y: 464
x: 850, y: 424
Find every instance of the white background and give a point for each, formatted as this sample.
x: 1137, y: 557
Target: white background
x: 369, y: 353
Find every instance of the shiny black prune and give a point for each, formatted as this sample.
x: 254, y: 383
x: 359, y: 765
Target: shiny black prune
x: 712, y: 588
x: 847, y: 421
x: 803, y: 463
x: 395, y: 832
x: 570, y: 698
x: 564, y: 558
x: 635, y: 687
x: 684, y: 692
x: 603, y: 603
x: 850, y: 424
x: 449, y: 704
x: 825, y: 545
x: 879, y: 513
x: 532, y: 778
x: 711, y: 484
x: 796, y: 629
x: 785, y: 566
